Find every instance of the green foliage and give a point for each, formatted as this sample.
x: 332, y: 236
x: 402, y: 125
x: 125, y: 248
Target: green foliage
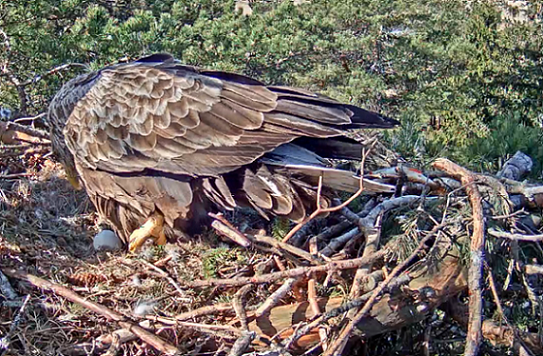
x: 280, y: 227
x: 216, y: 258
x: 458, y: 76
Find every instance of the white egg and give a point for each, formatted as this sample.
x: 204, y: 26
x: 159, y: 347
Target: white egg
x: 107, y: 240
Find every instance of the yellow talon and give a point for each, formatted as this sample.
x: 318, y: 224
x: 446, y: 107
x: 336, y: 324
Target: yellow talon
x: 153, y: 227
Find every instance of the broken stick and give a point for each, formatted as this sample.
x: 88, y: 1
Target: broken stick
x: 67, y: 293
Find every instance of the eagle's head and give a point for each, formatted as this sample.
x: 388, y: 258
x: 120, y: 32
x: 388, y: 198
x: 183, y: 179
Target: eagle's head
x: 57, y: 120
x: 58, y: 114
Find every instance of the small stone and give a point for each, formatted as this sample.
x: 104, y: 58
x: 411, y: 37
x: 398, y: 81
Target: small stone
x: 107, y: 240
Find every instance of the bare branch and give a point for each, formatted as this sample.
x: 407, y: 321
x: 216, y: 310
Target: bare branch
x: 143, y: 334
x: 519, y: 237
x: 6, y: 340
x: 475, y: 273
x: 8, y: 125
x: 275, y: 297
x: 291, y: 273
x: 348, y: 329
x: 320, y: 210
x: 55, y: 70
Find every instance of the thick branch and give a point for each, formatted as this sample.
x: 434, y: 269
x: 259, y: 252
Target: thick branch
x: 291, y: 273
x: 5, y: 126
x: 467, y: 178
x: 67, y: 293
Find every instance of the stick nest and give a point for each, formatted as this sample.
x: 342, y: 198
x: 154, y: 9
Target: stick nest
x: 385, y: 274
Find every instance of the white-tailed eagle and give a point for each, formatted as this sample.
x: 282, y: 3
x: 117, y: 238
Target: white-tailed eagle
x: 159, y: 142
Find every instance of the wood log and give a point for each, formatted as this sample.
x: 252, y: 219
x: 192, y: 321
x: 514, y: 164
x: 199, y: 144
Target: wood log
x: 437, y: 279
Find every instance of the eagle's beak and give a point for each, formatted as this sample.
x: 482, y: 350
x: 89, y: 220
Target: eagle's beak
x: 72, y: 177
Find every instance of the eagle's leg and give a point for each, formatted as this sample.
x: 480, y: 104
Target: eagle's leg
x: 153, y: 227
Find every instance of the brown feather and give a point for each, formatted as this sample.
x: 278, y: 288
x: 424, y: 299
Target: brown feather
x: 154, y: 135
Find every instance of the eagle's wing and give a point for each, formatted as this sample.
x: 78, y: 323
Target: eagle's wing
x: 140, y: 132
x: 170, y: 118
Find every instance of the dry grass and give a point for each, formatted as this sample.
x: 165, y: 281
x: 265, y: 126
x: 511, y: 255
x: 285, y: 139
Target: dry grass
x: 46, y: 228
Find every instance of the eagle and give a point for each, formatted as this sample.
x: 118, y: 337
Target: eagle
x: 157, y: 145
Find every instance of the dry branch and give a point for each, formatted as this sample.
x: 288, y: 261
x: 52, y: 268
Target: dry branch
x: 143, y: 334
x: 6, y: 340
x: 518, y: 237
x: 496, y: 334
x: 348, y: 329
x: 12, y: 126
x: 320, y: 210
x: 242, y: 343
x: 166, y: 276
x: 334, y: 230
x: 207, y: 310
x: 291, y: 273
x: 336, y: 243
x: 55, y: 70
x: 225, y: 228
x: 286, y: 247
x: 477, y: 252
x: 275, y: 297
x: 239, y: 306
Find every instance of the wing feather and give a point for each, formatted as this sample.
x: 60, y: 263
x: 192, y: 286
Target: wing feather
x: 179, y: 120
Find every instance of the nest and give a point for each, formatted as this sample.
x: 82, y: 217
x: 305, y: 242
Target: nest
x: 371, y: 274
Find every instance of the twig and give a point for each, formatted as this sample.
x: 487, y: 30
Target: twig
x: 508, y: 216
x: 321, y: 210
x: 426, y: 343
x: 166, y: 276
x: 312, y: 298
x: 15, y: 147
x: 201, y: 327
x: 348, y: 329
x: 67, y: 293
x: 335, y: 244
x: 30, y: 118
x: 5, y: 287
x: 224, y: 227
x: 6, y: 340
x: 207, y: 310
x: 519, y: 237
x: 14, y: 176
x: 338, y: 228
x: 275, y: 297
x: 52, y: 71
x: 514, y: 187
x: 279, y: 263
x: 287, y: 247
x: 8, y: 125
x: 291, y: 273
x: 474, y: 337
x: 311, y: 289
x: 371, y: 228
x: 239, y: 306
x: 356, y: 303
x: 502, y: 335
x: 373, y: 236
x: 242, y: 343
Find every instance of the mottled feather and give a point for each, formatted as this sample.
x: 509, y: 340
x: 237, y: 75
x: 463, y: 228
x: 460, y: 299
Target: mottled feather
x: 157, y: 136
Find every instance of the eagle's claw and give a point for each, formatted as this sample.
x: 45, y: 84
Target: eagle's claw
x: 153, y: 227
